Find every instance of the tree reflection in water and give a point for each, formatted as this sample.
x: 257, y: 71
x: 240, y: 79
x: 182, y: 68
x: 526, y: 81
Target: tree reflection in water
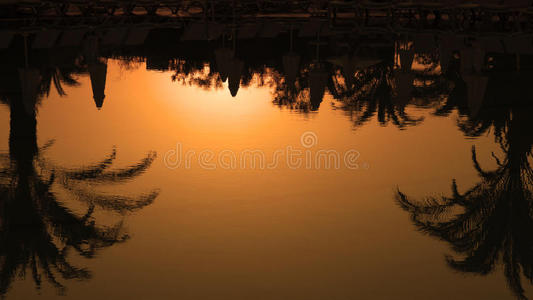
x: 38, y: 231
x: 489, y: 222
x: 492, y: 222
x: 377, y: 91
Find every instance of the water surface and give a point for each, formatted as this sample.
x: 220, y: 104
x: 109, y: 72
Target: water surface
x: 263, y: 233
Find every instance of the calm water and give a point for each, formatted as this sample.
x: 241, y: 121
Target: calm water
x: 95, y: 206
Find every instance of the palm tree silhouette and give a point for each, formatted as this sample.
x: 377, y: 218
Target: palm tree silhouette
x: 58, y: 67
x: 376, y: 92
x: 492, y: 222
x: 37, y: 229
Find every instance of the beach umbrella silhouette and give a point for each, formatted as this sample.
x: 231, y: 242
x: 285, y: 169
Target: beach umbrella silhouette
x: 98, y: 74
x: 236, y: 67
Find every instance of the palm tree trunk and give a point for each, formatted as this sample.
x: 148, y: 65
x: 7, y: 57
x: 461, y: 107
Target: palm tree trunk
x: 23, y: 133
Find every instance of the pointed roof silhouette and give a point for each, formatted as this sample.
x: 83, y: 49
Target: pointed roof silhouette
x: 234, y: 77
x: 317, y: 87
x: 98, y: 74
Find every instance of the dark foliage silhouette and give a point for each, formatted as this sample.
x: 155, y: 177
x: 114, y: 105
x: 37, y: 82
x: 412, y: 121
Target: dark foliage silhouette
x: 492, y: 222
x: 38, y: 231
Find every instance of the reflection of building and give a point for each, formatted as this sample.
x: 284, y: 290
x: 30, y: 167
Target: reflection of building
x: 236, y: 67
x: 98, y: 74
x: 347, y: 62
x: 317, y: 87
x: 229, y: 67
x: 97, y: 69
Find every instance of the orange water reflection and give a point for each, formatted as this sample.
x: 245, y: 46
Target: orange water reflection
x: 239, y: 234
